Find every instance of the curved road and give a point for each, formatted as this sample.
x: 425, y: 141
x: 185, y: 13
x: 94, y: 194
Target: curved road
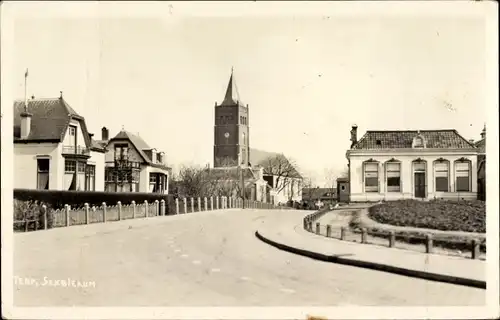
x: 202, y: 259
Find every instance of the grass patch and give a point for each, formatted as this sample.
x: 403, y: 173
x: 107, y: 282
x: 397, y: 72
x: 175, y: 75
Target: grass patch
x: 468, y: 216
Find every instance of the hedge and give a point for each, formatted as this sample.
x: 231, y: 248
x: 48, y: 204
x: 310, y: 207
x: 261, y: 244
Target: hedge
x: 56, y: 199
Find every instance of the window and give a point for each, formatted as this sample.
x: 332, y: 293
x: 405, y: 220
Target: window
x: 90, y: 178
x: 69, y: 166
x: 342, y: 188
x: 121, y: 151
x: 244, y: 138
x: 393, y: 177
x: 241, y: 120
x: 462, y: 176
x: 81, y: 167
x: 72, y: 131
x: 371, y: 177
x: 379, y: 142
x: 441, y: 173
x: 43, y: 169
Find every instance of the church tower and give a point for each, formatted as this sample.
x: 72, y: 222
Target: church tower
x: 231, y: 131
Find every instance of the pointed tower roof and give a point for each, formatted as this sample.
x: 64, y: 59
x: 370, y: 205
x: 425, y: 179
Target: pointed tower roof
x: 232, y: 96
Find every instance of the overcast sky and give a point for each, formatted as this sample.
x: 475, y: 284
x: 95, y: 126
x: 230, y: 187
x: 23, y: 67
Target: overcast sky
x: 306, y: 79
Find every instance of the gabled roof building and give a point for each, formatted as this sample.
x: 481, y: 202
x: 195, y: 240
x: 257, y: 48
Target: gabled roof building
x: 411, y: 164
x: 53, y: 149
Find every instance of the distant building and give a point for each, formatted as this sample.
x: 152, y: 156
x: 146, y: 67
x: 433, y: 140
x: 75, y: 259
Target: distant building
x: 133, y: 166
x: 325, y: 195
x: 285, y: 181
x: 425, y: 164
x: 53, y: 149
x: 232, y: 150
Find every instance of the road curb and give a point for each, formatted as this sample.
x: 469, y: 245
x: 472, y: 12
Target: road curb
x: 376, y: 266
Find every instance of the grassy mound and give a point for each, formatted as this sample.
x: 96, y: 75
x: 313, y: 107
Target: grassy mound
x: 468, y: 216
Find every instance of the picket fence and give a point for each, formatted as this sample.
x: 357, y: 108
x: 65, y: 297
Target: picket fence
x: 69, y: 216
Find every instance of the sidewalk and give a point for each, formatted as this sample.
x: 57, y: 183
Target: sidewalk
x: 289, y: 235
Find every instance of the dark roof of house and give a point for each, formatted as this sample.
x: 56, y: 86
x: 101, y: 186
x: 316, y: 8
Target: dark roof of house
x: 49, y: 121
x: 315, y: 193
x: 435, y: 139
x: 261, y: 158
x: 140, y: 145
x: 481, y: 145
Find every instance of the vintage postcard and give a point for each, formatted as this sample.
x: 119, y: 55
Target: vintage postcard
x: 249, y: 160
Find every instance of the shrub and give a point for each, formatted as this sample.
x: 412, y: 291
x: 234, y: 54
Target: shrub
x: 31, y: 212
x: 468, y: 216
x: 58, y: 198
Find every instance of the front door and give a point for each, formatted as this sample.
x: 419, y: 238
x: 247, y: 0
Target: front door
x: 419, y: 184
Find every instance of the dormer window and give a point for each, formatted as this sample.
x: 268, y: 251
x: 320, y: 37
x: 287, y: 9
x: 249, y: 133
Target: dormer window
x: 418, y: 142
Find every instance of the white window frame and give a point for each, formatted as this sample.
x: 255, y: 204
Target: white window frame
x: 469, y: 174
x: 437, y: 175
x: 371, y: 189
x: 392, y: 189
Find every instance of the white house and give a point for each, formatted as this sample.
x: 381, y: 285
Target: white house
x: 132, y: 165
x: 281, y: 175
x: 53, y: 149
x: 425, y: 164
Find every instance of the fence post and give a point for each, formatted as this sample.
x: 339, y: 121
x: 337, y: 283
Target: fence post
x: 66, y: 211
x: 185, y: 202
x: 364, y: 234
x: 305, y: 224
x: 94, y: 211
x: 205, y: 203
x: 310, y: 226
x: 428, y: 243
x: 86, y: 205
x: 133, y: 209
x: 392, y: 239
x: 212, y: 203
x: 104, y: 212
x: 317, y: 228
x: 199, y: 204
x: 475, y: 249
x: 146, y: 205
x: 119, y: 205
x: 192, y: 204
x: 176, y: 205
x: 342, y: 233
x: 157, y: 207
x: 217, y: 203
x: 328, y: 231
x: 44, y: 209
x: 162, y: 208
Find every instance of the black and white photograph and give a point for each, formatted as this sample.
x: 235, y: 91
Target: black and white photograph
x: 249, y: 160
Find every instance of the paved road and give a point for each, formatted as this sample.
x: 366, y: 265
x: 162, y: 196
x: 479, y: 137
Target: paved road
x: 203, y: 259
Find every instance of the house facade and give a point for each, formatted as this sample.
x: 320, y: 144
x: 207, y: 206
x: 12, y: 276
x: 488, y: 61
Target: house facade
x: 131, y: 165
x: 53, y: 149
x: 426, y: 164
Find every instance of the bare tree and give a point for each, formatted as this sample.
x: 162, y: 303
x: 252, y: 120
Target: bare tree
x: 282, y: 168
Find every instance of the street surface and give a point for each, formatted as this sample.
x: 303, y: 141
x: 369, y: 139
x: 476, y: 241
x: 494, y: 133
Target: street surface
x: 201, y: 259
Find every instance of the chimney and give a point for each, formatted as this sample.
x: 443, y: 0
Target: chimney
x: 483, y: 133
x: 104, y: 134
x: 25, y: 124
x: 91, y: 135
x: 354, y: 135
x: 153, y: 156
